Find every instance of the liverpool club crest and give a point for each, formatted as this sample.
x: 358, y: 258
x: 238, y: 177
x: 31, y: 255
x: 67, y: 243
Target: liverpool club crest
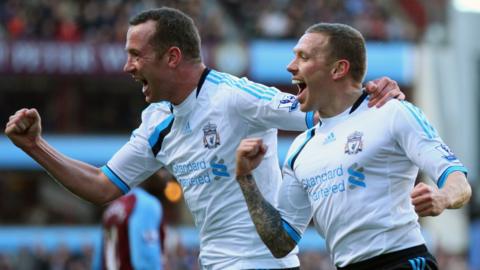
x: 354, y: 143
x: 210, y: 136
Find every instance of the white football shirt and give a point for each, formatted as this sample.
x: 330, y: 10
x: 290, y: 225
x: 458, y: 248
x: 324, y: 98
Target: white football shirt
x: 197, y: 141
x: 353, y: 173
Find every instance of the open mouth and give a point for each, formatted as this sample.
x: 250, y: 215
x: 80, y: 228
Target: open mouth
x: 301, y: 85
x: 141, y: 80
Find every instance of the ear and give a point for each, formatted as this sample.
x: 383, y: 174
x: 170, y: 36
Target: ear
x: 174, y: 56
x: 340, y: 69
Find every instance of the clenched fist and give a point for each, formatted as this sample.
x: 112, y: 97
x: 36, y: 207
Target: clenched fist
x: 24, y: 128
x: 250, y: 153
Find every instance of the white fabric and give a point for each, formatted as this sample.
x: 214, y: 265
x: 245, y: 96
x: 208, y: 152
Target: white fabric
x: 357, y: 189
x: 233, y: 109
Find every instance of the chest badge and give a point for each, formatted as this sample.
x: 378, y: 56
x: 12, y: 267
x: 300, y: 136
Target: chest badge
x: 354, y: 143
x: 211, y: 139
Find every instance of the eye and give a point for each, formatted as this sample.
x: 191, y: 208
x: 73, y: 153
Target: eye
x: 303, y: 56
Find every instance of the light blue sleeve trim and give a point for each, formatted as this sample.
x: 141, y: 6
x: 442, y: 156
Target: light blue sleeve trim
x: 144, y: 232
x: 291, y: 232
x: 309, y: 119
x: 447, y: 172
x: 115, y: 179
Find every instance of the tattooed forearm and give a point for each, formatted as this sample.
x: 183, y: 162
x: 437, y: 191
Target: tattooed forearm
x: 266, y: 218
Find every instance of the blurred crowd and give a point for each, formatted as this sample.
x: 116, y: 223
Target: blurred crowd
x: 106, y: 21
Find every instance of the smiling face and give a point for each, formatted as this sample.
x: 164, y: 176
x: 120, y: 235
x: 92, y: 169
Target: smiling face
x: 145, y: 64
x: 311, y: 70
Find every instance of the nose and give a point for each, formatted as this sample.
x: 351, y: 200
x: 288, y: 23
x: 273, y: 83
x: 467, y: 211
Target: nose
x: 292, y: 66
x: 129, y: 67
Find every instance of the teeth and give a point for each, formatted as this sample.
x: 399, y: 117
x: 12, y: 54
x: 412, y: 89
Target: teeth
x: 294, y: 81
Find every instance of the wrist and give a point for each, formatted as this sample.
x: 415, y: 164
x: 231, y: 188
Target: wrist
x: 244, y: 177
x: 447, y: 201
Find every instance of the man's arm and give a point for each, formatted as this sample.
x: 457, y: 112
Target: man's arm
x: 266, y: 218
x: 84, y: 180
x: 431, y: 201
x: 381, y: 90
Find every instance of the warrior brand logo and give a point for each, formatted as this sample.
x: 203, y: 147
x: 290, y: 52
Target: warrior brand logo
x: 357, y: 177
x: 219, y: 169
x: 330, y: 138
x: 446, y: 152
x: 354, y: 143
x: 288, y: 101
x: 211, y: 139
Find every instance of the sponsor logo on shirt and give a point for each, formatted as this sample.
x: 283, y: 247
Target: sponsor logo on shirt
x: 197, y: 172
x: 289, y: 102
x: 354, y: 143
x: 446, y: 152
x: 219, y: 169
x: 326, y: 182
x: 211, y: 138
x: 356, y: 176
x: 330, y: 138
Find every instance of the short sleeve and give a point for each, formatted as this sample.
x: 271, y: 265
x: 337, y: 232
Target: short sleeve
x: 422, y: 145
x: 268, y: 107
x: 136, y: 160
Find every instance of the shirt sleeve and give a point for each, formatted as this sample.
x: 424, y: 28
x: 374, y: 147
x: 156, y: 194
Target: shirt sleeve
x: 136, y: 161
x: 143, y: 233
x: 294, y: 205
x: 268, y: 107
x: 422, y: 144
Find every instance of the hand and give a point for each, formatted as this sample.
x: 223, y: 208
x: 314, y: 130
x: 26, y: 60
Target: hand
x: 428, y: 200
x: 382, y: 90
x: 250, y: 153
x: 24, y: 128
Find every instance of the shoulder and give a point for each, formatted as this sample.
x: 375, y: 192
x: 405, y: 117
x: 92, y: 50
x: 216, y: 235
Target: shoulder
x: 242, y: 85
x: 155, y: 110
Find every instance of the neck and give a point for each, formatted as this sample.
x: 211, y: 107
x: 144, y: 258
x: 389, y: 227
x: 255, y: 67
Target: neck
x: 186, y: 81
x: 339, y: 99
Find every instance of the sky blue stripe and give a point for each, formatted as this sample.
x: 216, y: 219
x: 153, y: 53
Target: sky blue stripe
x: 163, y: 125
x: 214, y: 73
x: 291, y: 232
x: 309, y: 119
x: 419, y: 118
x: 248, y: 91
x: 246, y: 87
x: 257, y: 90
x: 447, y: 172
x: 270, y: 90
x: 423, y: 263
x: 290, y: 160
x: 115, y: 179
x: 213, y: 80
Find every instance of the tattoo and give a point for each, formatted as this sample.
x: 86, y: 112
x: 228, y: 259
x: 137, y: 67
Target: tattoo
x: 266, y: 218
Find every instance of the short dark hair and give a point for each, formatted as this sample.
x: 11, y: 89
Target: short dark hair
x: 345, y: 42
x: 173, y: 28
